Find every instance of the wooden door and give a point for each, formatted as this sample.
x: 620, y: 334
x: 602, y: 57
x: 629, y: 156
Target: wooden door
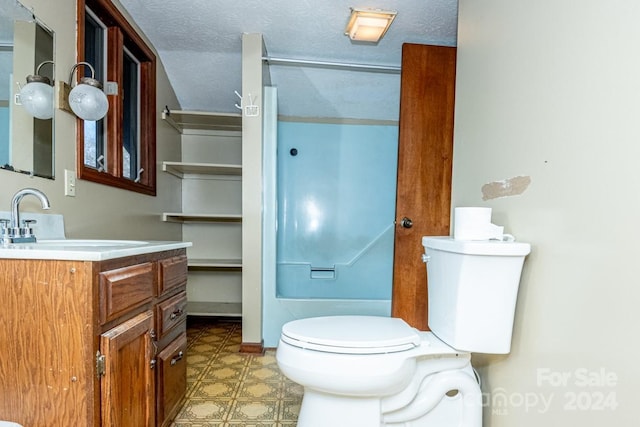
x: 425, y: 153
x: 128, y: 384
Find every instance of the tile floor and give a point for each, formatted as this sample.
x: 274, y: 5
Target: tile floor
x: 229, y: 389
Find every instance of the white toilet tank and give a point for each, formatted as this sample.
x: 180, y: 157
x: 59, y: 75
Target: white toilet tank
x: 472, y: 288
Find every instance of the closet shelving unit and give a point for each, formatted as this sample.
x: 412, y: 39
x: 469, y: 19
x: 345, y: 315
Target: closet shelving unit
x: 208, y: 129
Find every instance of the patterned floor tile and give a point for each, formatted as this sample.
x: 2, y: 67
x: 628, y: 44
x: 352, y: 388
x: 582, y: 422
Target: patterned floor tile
x: 289, y: 410
x: 230, y: 389
x: 213, y: 390
x: 259, y: 391
x: 254, y: 410
x: 251, y: 424
x: 203, y: 410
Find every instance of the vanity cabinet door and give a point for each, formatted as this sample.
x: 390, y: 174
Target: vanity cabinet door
x: 128, y: 379
x: 172, y: 379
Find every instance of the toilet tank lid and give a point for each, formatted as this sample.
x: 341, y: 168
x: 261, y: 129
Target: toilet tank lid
x: 476, y: 247
x: 351, y: 334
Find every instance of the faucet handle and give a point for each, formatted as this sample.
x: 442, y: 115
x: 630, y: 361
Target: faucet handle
x: 4, y: 230
x: 27, y: 228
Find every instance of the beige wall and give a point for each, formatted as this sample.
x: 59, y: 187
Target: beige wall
x: 551, y: 90
x: 252, y: 84
x: 98, y: 211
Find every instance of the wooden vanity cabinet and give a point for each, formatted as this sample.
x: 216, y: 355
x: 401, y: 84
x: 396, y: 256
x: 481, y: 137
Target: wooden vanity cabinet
x: 93, y: 343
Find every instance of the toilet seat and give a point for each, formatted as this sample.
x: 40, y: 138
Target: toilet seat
x: 351, y: 334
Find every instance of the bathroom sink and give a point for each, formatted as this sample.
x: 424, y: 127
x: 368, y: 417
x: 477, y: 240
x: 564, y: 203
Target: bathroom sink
x: 85, y: 249
x: 89, y: 243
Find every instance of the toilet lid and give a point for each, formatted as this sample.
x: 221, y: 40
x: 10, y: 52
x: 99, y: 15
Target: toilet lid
x: 351, y: 334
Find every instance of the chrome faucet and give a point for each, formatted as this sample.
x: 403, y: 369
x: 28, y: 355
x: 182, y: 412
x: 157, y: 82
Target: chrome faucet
x: 15, y: 233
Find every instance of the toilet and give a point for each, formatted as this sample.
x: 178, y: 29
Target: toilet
x: 369, y: 371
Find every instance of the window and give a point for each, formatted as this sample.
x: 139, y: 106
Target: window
x: 119, y: 150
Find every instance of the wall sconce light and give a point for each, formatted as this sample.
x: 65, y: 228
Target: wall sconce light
x: 86, y: 99
x: 369, y: 25
x: 37, y: 95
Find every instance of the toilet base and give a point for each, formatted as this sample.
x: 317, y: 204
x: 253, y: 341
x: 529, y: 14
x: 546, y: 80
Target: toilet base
x: 447, y: 398
x: 431, y: 407
x: 322, y: 410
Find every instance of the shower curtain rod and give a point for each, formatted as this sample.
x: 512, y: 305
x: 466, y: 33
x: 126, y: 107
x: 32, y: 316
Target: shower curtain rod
x: 391, y: 69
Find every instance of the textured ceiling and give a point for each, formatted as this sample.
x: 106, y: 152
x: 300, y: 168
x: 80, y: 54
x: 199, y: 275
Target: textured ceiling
x: 199, y: 43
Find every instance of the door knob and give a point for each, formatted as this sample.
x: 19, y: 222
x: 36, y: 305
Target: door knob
x: 406, y: 222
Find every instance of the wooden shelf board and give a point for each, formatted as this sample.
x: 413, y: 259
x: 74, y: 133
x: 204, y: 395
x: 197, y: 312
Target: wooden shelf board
x: 202, y: 120
x: 180, y: 169
x: 215, y: 264
x: 200, y: 217
x: 226, y: 309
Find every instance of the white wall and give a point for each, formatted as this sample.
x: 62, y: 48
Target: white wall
x: 98, y: 210
x: 551, y: 90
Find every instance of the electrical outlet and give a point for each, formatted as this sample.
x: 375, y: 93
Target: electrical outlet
x: 69, y: 183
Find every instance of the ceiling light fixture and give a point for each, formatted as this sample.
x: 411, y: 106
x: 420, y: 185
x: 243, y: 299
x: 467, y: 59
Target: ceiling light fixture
x: 369, y: 25
x: 37, y: 95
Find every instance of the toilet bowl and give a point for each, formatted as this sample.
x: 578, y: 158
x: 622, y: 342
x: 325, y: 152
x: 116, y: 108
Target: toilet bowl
x: 368, y: 371
x: 355, y: 365
x: 9, y: 424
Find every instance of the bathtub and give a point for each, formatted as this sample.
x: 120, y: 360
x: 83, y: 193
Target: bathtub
x: 328, y: 220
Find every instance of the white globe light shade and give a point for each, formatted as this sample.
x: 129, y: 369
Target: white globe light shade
x: 37, y: 99
x: 88, y: 102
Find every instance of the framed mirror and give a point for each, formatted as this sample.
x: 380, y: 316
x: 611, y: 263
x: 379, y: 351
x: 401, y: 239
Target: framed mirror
x: 26, y: 45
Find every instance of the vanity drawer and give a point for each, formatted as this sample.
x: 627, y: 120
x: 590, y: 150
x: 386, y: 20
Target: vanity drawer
x: 172, y: 273
x: 171, y: 312
x: 172, y: 379
x: 124, y: 289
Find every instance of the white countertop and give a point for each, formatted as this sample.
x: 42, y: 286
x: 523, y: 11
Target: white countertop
x: 86, y: 250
